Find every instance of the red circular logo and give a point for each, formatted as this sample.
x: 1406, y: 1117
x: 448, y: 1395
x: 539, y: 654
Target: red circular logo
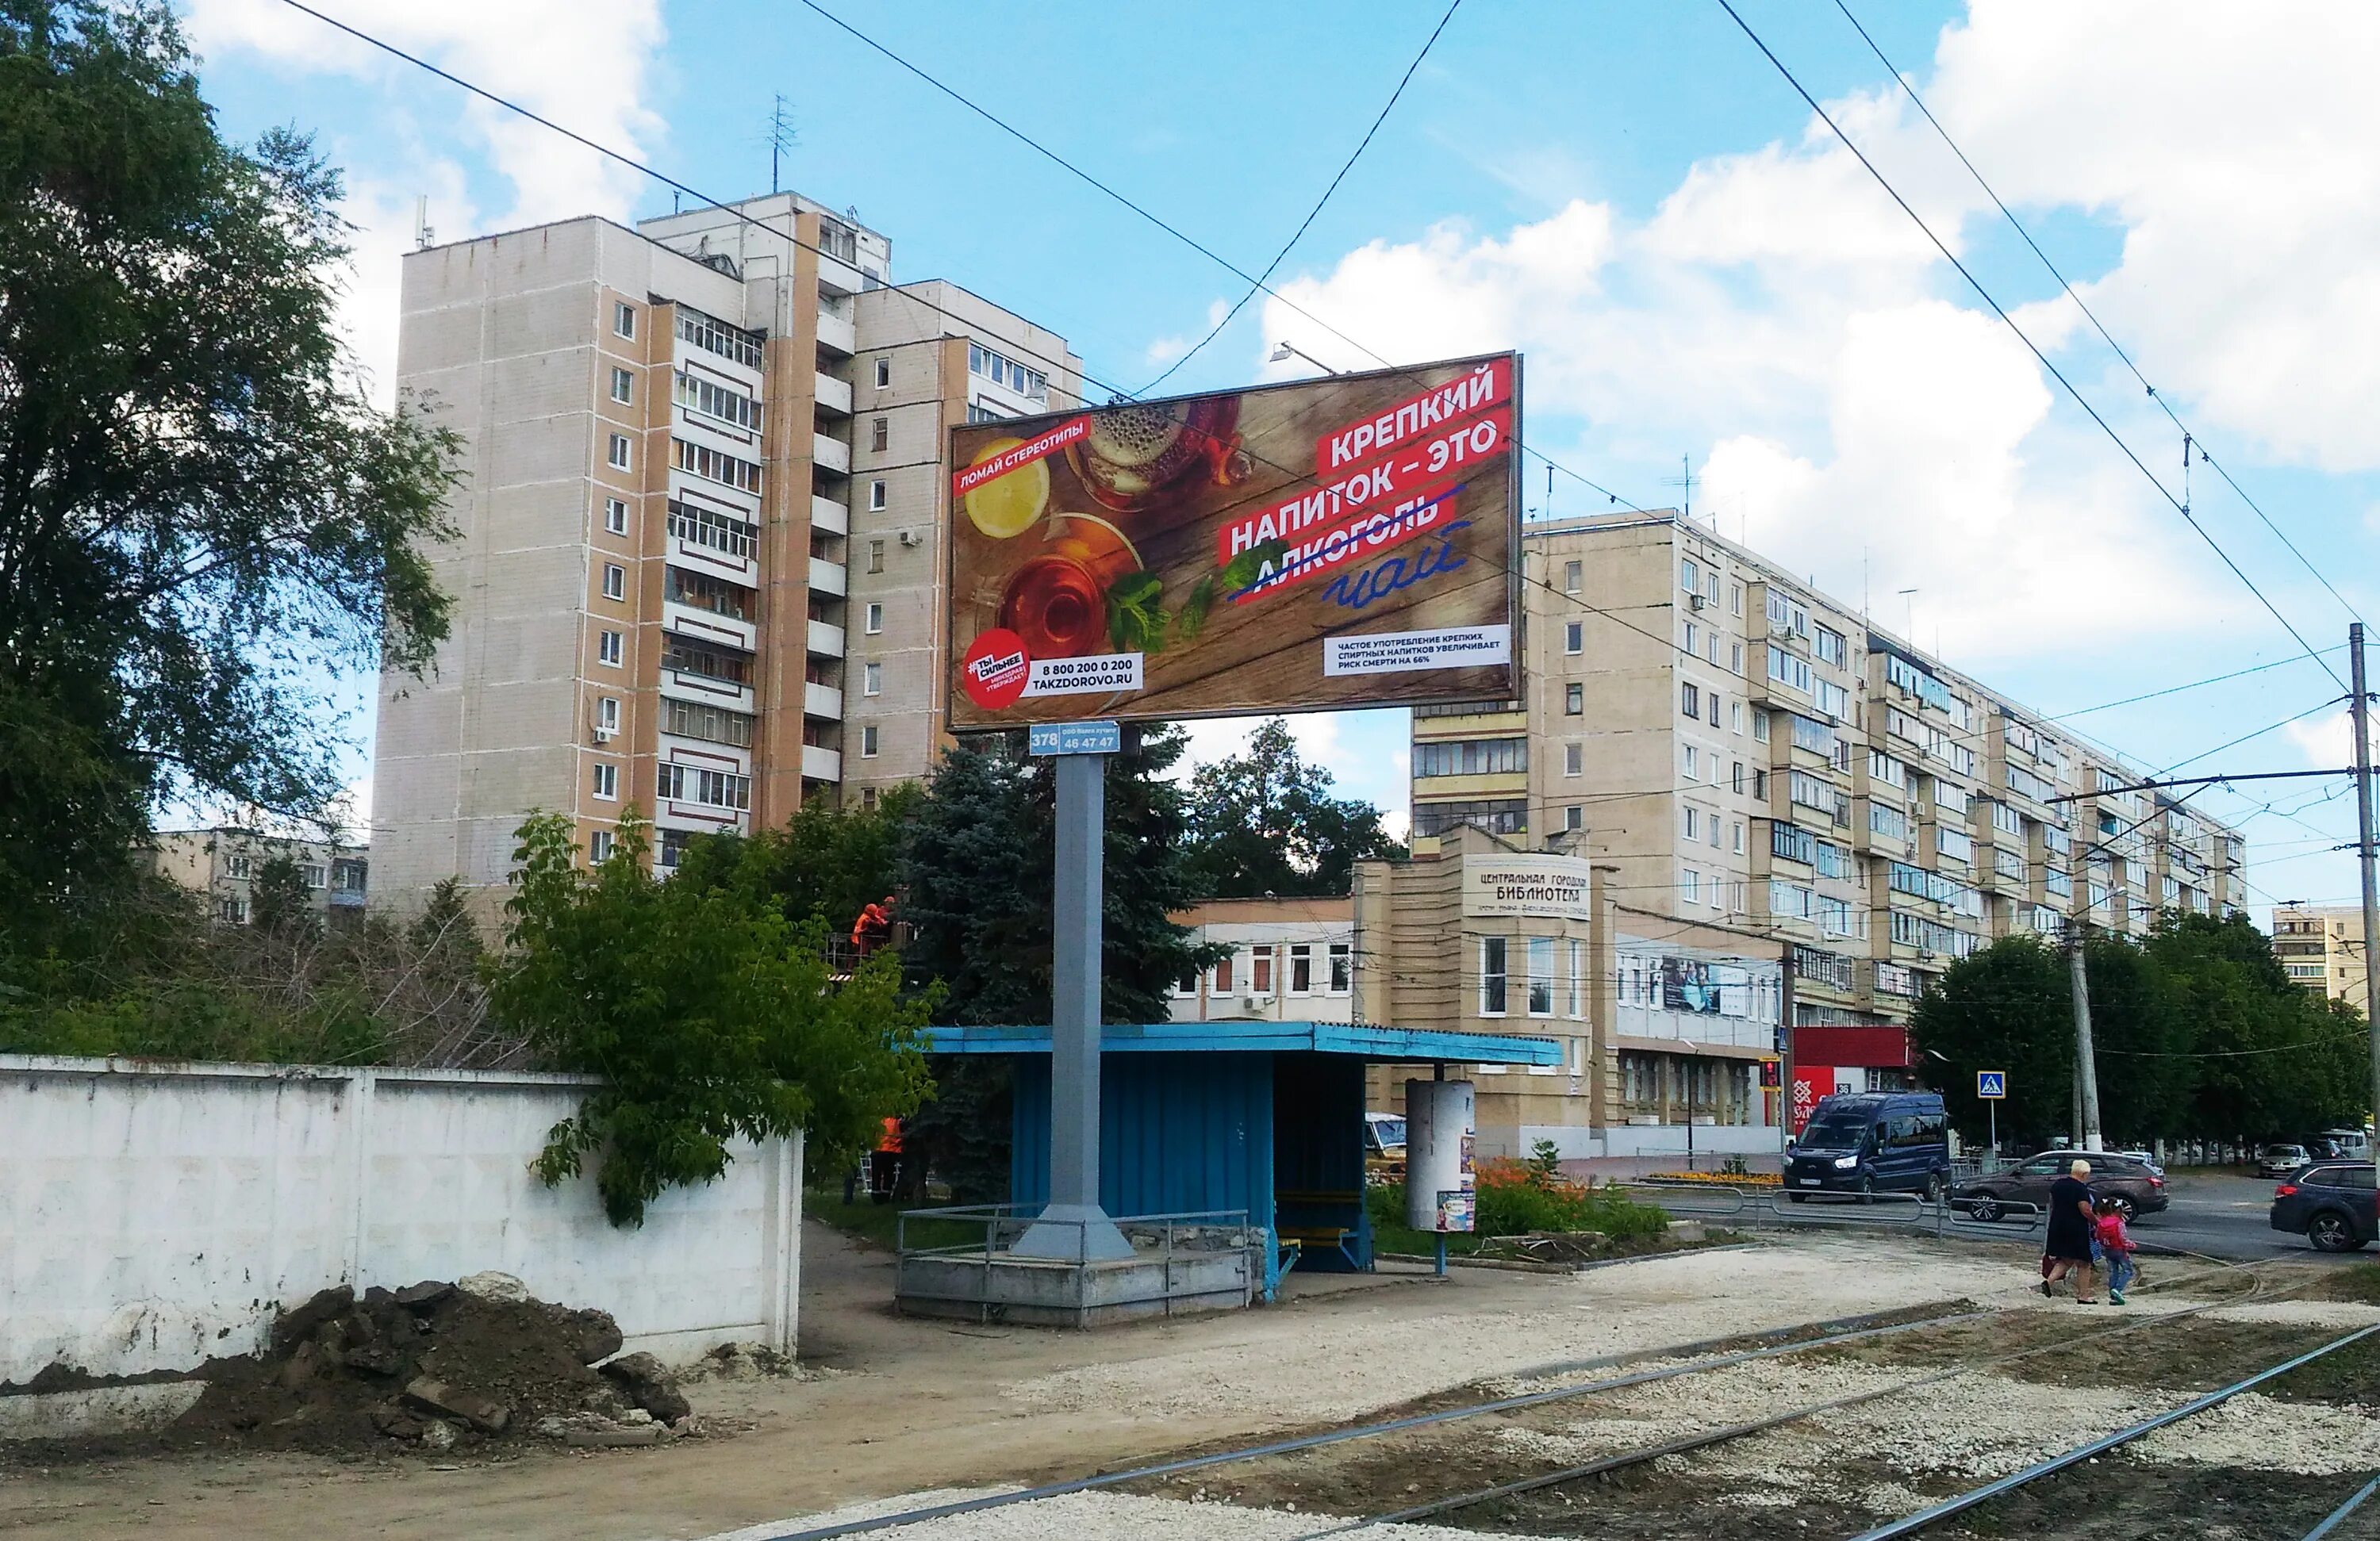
x: 995, y: 668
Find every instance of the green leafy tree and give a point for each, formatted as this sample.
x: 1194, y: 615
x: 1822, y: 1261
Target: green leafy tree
x: 709, y: 1015
x: 2272, y: 1058
x: 1265, y: 823
x: 976, y: 891
x: 279, y: 903
x: 199, y: 508
x: 824, y: 862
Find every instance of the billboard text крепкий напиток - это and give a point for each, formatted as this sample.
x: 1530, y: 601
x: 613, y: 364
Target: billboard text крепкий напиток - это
x: 1349, y: 541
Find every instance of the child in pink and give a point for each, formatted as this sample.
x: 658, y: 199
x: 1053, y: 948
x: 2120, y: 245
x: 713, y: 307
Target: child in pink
x: 2115, y: 1244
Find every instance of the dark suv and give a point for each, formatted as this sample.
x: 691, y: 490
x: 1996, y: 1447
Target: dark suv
x: 2136, y: 1187
x: 2333, y: 1207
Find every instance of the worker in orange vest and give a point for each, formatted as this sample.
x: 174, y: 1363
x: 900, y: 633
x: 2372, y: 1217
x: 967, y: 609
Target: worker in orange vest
x: 884, y: 1162
x: 874, y: 927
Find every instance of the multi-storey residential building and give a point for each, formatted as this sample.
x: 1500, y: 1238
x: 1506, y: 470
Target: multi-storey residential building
x: 698, y: 567
x: 2321, y: 946
x: 1743, y: 750
x: 1290, y: 959
x: 223, y: 862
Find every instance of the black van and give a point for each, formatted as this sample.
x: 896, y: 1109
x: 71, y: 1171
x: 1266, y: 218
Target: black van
x: 1872, y: 1143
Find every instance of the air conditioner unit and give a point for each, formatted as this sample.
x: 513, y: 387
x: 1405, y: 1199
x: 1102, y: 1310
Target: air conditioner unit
x: 911, y: 538
x: 1252, y: 1002
x: 605, y: 736
x: 1694, y: 601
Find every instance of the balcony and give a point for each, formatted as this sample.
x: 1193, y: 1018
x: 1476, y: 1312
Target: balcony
x: 833, y: 396
x: 826, y: 639
x: 821, y: 764
x: 838, y: 277
x: 821, y: 700
x: 837, y: 333
x: 829, y: 514
x: 832, y: 454
x: 827, y: 577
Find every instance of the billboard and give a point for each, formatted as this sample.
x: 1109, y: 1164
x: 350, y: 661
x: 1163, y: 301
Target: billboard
x: 1349, y: 541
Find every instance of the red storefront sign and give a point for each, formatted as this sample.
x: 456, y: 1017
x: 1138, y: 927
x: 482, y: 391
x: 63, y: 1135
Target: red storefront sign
x: 1812, y: 1085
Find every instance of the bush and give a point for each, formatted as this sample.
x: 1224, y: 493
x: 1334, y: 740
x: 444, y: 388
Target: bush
x: 1516, y: 1198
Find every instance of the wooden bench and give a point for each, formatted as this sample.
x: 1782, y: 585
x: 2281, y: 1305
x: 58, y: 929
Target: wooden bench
x: 1344, y: 1240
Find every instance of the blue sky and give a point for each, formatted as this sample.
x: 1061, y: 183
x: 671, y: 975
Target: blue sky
x: 1633, y: 195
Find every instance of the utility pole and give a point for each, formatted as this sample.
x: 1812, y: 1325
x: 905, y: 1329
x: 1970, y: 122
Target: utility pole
x: 2086, y: 1070
x: 2360, y: 714
x: 1785, y: 1055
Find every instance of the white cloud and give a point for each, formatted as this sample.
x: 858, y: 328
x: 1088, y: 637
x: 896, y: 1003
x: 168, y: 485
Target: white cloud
x: 584, y: 65
x: 2327, y: 742
x: 1859, y: 417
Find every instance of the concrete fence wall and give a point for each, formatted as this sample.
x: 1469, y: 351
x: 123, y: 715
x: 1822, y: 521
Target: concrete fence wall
x: 156, y: 1215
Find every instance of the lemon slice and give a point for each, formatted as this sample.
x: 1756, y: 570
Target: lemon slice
x: 1007, y: 505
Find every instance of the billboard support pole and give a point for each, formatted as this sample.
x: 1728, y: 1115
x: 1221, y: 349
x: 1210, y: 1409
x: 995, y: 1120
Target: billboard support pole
x: 1072, y: 1226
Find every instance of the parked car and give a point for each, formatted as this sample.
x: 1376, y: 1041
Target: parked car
x: 2136, y: 1186
x: 2279, y: 1160
x: 2331, y: 1205
x: 1872, y: 1143
x: 1384, y: 1147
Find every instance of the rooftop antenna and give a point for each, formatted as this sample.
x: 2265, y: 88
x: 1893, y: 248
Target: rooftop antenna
x: 1686, y: 482
x: 782, y: 139
x: 423, y: 237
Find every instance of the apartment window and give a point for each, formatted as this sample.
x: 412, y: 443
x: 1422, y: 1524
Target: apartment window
x: 234, y: 912
x: 1573, y: 700
x: 1690, y: 576
x: 709, y: 463
x: 687, y: 656
x: 876, y: 556
x: 1491, y: 976
x: 1477, y: 757
x: 1760, y: 724
x: 714, y: 400
x: 1828, y: 645
x: 1735, y: 779
x: 871, y: 679
x: 1261, y: 971
x: 1694, y: 817
x: 617, y: 455
x: 1573, y: 759
x: 1341, y: 967
x: 1735, y: 659
x: 1691, y: 763
x: 313, y: 875
x: 1885, y: 821
x: 872, y: 620
x: 883, y: 373
x: 1574, y: 637
x: 1735, y: 599
x: 1577, y: 985
x: 700, y: 526
x: 1183, y: 988
x: 1573, y: 576
x: 1690, y: 886
x: 1788, y: 669
x: 1690, y: 701
x: 236, y: 867
x: 1301, y: 969
x: 867, y: 742
x: 1713, y: 698
x: 599, y: 846
x: 1693, y: 640
x: 1736, y: 716
x: 714, y: 336
x: 607, y: 649
x: 711, y: 724
x: 624, y: 318
x: 615, y: 581
x: 1573, y: 818
x: 876, y: 495
x: 615, y: 515
x: 718, y: 789
x: 607, y: 783
x: 1541, y: 976
x: 1221, y: 978
x: 607, y: 715
x: 624, y: 386
x: 879, y: 434
x: 681, y: 586
x: 1496, y: 815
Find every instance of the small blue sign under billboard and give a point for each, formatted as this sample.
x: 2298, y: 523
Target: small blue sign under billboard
x: 1076, y: 738
x: 1991, y: 1082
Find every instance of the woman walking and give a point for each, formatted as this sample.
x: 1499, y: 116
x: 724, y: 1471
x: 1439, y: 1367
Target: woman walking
x: 2074, y: 1222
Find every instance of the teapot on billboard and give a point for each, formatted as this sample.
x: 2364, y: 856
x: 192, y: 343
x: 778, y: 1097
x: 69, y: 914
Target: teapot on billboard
x: 1349, y: 541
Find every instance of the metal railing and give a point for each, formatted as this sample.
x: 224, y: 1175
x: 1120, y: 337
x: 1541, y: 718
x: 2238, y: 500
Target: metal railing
x: 999, y: 1226
x: 1186, y: 1245
x: 1949, y: 1215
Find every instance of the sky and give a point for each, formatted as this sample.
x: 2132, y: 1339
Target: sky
x: 1704, y: 280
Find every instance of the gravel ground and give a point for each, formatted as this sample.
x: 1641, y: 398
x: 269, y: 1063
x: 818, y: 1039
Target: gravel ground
x: 1102, y: 1517
x: 1352, y: 1363
x: 2266, y: 1434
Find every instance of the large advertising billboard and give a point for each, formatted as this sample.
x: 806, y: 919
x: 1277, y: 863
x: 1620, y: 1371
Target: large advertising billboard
x: 1349, y: 541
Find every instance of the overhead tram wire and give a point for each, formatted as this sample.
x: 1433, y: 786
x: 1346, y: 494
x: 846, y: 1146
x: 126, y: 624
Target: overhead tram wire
x: 1258, y: 283
x: 2088, y: 313
x: 1518, y: 570
x: 2193, y: 685
x: 2043, y: 359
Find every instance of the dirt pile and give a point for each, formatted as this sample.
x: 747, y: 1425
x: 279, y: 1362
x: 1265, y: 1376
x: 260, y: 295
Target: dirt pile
x: 437, y: 1366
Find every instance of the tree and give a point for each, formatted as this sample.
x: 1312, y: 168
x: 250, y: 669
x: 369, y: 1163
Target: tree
x: 709, y: 1016
x: 2273, y: 1059
x: 825, y: 862
x: 976, y: 867
x: 1265, y: 823
x: 199, y: 509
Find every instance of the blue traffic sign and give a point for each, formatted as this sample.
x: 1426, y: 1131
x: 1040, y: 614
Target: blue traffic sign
x: 1076, y: 738
x: 1991, y: 1082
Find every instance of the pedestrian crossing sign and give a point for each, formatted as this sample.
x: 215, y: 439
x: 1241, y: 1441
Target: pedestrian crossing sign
x: 1990, y: 1084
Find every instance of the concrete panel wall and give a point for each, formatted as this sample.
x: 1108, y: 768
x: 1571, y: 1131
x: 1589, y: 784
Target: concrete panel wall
x: 153, y: 1218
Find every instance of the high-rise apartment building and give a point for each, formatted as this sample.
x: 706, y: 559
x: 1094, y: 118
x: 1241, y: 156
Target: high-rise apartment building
x: 2322, y: 948
x: 1744, y: 751
x: 699, y: 569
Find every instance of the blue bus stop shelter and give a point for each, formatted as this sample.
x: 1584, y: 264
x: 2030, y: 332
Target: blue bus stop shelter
x: 1265, y: 1117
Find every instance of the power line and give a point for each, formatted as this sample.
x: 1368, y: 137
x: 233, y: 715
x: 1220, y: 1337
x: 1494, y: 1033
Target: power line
x: 2059, y: 375
x: 2193, y: 685
x: 1257, y: 285
x: 2187, y: 437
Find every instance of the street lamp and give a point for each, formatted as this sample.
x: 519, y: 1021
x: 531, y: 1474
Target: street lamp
x: 1282, y: 353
